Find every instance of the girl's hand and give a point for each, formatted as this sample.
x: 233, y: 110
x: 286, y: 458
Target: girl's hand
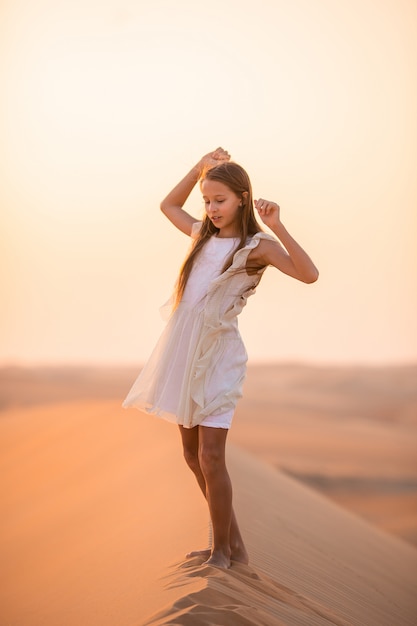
x: 213, y: 158
x: 269, y: 212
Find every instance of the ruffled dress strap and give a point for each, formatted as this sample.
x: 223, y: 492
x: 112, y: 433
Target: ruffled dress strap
x: 195, y: 229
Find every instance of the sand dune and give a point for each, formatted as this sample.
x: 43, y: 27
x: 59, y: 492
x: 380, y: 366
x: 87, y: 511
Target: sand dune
x: 95, y: 505
x: 99, y: 510
x: 312, y: 564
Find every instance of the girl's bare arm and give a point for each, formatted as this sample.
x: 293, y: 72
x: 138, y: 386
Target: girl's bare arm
x: 289, y: 257
x: 172, y: 205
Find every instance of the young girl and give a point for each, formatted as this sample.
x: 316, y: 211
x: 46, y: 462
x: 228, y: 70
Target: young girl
x: 195, y: 373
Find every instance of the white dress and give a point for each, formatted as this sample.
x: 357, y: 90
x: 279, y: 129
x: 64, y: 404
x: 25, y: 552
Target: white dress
x: 196, y: 370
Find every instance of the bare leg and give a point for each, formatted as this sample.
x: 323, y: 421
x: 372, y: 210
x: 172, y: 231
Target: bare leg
x: 218, y: 492
x: 195, y: 445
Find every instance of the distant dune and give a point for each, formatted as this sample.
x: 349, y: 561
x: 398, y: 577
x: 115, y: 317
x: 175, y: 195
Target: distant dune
x: 350, y: 432
x: 99, y: 509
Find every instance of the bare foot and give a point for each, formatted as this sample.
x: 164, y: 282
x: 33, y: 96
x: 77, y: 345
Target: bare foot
x: 238, y: 554
x: 204, y: 553
x: 218, y: 559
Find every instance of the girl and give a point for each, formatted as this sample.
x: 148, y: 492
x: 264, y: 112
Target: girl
x: 195, y: 373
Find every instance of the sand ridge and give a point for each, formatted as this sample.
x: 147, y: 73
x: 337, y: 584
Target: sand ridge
x: 239, y: 596
x: 312, y: 564
x: 97, y: 502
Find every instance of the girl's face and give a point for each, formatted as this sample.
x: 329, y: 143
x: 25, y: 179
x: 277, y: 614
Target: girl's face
x: 222, y: 206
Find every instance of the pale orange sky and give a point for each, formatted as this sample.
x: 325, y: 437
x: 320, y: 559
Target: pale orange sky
x: 107, y: 104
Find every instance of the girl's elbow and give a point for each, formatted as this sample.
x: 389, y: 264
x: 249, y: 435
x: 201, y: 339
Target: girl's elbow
x: 311, y: 277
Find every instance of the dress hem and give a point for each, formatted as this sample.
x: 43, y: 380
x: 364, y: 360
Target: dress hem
x: 174, y: 419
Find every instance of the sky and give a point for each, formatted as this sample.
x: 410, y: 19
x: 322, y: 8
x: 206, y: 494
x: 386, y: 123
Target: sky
x: 106, y: 106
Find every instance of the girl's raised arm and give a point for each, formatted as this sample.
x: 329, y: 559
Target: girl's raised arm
x: 289, y: 257
x: 172, y: 205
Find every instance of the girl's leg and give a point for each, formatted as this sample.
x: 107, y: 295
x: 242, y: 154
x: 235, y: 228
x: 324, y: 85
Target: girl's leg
x: 190, y: 445
x: 218, y: 491
x: 192, y: 439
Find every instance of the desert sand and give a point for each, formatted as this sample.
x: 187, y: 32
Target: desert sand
x: 99, y: 509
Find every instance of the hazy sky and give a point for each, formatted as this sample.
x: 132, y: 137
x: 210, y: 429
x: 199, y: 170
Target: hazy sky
x: 105, y: 105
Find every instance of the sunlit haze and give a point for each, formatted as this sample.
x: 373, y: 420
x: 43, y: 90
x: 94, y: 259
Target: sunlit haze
x: 106, y: 105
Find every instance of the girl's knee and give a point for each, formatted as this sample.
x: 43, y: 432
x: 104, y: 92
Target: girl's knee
x: 191, y: 458
x: 211, y: 459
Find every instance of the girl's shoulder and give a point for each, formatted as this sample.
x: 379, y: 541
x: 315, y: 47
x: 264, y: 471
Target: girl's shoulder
x: 263, y: 235
x: 254, y: 240
x: 241, y: 256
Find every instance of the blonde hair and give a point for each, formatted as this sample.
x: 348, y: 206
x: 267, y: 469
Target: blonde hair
x: 233, y: 176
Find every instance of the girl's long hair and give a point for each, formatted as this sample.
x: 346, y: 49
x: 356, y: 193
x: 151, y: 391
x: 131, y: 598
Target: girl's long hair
x: 233, y: 176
